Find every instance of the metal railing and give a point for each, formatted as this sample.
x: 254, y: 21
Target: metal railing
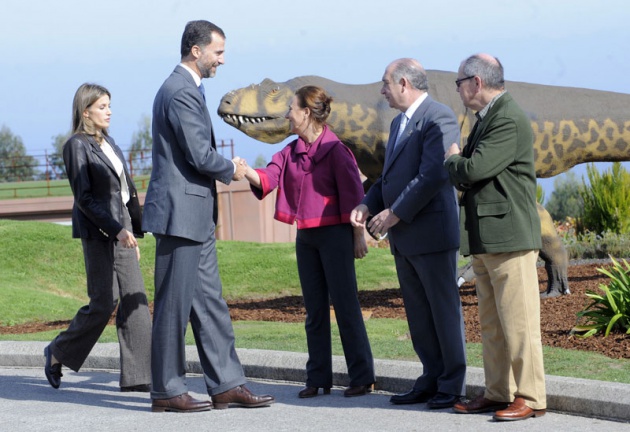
x: 47, y: 172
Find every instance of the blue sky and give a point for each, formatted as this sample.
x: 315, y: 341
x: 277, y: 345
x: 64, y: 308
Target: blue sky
x: 48, y: 48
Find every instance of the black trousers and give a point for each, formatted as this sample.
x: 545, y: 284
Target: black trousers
x: 325, y: 259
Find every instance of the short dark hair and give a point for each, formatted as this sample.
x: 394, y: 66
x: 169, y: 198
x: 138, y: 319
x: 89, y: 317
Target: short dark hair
x: 198, y: 33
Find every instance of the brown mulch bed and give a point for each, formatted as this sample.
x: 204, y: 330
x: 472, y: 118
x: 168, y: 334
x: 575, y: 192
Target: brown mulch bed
x: 558, y: 315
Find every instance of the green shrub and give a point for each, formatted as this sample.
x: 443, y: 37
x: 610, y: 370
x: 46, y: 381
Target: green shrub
x: 606, y: 200
x: 590, y: 245
x: 610, y: 311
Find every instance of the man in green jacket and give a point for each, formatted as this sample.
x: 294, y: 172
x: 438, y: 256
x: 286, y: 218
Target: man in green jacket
x: 500, y: 228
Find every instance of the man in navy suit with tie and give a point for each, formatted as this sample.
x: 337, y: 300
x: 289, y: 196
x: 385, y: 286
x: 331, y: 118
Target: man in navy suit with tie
x: 414, y: 203
x: 181, y: 211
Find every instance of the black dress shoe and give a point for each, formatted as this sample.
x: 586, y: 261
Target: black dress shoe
x: 479, y: 405
x: 442, y: 400
x: 411, y: 397
x: 358, y: 390
x: 52, y: 371
x: 309, y: 392
x: 142, y: 388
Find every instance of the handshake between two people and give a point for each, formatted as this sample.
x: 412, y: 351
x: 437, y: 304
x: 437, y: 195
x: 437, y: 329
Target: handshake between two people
x: 244, y: 171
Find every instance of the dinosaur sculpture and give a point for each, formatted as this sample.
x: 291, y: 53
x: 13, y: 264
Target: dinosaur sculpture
x: 571, y: 126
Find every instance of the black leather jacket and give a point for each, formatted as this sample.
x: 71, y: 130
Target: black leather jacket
x: 98, y: 208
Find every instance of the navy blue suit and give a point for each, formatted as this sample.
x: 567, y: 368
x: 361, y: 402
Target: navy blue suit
x: 415, y: 186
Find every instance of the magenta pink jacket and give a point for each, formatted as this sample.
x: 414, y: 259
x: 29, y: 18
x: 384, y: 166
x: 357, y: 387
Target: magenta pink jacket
x: 317, y: 187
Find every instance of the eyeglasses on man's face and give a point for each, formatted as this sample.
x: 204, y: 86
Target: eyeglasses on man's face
x: 458, y: 82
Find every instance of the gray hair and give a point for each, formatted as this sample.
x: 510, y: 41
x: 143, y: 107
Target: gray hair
x: 490, y: 72
x: 413, y: 71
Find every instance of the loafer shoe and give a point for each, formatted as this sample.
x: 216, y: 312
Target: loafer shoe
x: 517, y: 410
x: 183, y: 403
x: 442, y: 400
x: 362, y: 390
x: 241, y: 397
x: 309, y: 392
x: 52, y: 371
x: 479, y: 405
x: 143, y: 388
x: 411, y: 397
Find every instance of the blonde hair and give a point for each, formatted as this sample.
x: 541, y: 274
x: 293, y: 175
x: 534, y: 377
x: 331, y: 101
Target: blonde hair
x: 85, y: 96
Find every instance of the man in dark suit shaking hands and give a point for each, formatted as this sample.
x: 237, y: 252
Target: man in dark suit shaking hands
x: 181, y: 211
x: 414, y: 203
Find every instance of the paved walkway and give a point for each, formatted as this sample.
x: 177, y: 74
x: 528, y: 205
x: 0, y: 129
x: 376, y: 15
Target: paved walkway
x: 91, y: 400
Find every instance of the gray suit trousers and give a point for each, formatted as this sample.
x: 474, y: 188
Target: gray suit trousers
x: 188, y: 287
x: 113, y: 279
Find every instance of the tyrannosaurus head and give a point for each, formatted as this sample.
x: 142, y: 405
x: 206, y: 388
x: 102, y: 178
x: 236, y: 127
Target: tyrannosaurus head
x: 258, y: 110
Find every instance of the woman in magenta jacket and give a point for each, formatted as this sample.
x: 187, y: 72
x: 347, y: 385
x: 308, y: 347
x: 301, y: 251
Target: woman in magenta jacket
x: 318, y: 186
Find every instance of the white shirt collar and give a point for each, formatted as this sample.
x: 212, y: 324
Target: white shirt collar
x: 414, y: 106
x: 196, y: 77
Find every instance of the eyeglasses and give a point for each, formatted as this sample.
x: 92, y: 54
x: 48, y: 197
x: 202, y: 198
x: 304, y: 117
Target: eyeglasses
x: 461, y: 80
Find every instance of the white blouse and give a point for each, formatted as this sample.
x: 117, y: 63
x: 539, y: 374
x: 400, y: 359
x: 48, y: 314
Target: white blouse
x: 118, y: 166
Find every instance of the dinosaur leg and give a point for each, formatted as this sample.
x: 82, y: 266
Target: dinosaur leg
x: 554, y: 254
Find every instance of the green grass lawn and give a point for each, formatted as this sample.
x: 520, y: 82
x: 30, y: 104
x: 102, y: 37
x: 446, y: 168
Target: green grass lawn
x: 42, y: 278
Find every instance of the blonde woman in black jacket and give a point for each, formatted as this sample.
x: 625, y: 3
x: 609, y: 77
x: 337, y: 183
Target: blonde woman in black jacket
x: 106, y: 216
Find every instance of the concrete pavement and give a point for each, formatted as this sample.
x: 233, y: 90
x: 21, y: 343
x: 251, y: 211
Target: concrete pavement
x: 90, y: 400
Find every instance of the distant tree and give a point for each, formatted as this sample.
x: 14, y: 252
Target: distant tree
x: 565, y: 199
x: 15, y: 164
x: 260, y: 162
x: 58, y: 169
x: 140, y: 152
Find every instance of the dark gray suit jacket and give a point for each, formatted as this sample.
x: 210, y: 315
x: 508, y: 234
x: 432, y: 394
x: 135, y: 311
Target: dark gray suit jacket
x: 181, y: 199
x: 414, y: 183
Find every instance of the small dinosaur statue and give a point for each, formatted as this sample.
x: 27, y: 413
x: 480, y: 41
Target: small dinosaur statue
x: 571, y: 126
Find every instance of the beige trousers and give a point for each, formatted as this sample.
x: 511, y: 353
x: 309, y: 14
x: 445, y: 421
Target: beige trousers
x: 509, y: 314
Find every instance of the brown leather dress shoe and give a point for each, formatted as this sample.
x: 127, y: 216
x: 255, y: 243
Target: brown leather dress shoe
x: 182, y: 403
x: 309, y: 392
x: 478, y: 405
x: 517, y: 410
x: 353, y: 391
x: 241, y: 397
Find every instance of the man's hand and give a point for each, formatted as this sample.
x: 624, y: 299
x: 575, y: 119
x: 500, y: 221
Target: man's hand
x: 241, y: 168
x: 453, y: 149
x: 359, y: 215
x: 382, y: 222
